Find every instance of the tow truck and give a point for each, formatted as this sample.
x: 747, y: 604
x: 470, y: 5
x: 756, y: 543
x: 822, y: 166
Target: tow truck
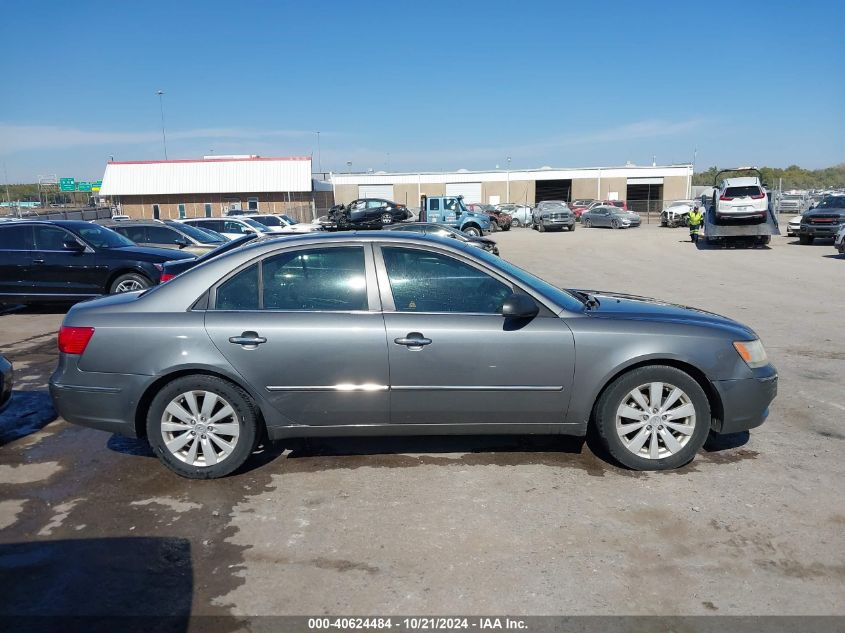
x: 451, y: 211
x: 729, y: 230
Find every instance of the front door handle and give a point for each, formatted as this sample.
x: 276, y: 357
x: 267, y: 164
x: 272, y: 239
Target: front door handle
x: 37, y: 261
x: 248, y: 339
x: 414, y: 340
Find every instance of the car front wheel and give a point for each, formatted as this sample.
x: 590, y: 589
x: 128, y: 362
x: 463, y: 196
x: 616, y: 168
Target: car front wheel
x: 587, y: 224
x: 515, y: 223
x: 805, y: 239
x: 653, y: 418
x: 202, y: 427
x: 472, y: 230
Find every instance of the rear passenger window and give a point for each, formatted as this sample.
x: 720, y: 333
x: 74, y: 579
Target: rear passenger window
x: 50, y: 238
x: 239, y: 292
x: 15, y: 238
x: 317, y: 279
x: 163, y: 235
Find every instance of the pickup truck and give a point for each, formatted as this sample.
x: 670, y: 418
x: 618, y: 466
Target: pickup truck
x: 451, y: 211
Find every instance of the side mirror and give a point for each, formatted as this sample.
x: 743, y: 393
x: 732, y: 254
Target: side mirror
x: 520, y: 307
x: 73, y: 245
x: 182, y: 242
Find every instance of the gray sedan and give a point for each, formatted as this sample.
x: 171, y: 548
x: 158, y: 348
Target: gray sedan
x: 390, y: 333
x: 610, y: 216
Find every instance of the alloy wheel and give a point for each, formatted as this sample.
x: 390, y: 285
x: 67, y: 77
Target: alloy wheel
x: 655, y: 420
x: 200, y: 428
x: 129, y: 285
x: 386, y: 218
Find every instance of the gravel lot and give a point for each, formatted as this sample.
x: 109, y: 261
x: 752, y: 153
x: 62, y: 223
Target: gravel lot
x: 462, y: 525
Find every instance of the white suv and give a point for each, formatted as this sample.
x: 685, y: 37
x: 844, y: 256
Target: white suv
x: 741, y: 198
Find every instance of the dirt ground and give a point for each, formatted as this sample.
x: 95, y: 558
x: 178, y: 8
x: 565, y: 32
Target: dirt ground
x: 519, y: 525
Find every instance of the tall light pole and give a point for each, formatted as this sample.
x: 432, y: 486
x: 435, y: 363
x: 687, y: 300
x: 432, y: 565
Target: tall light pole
x: 160, y: 94
x: 509, y: 179
x: 319, y: 157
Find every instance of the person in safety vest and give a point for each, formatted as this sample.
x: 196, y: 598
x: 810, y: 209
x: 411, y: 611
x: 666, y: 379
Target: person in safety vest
x: 696, y: 219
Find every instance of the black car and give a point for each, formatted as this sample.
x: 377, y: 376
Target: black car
x: 61, y: 260
x: 176, y: 267
x: 431, y: 228
x: 367, y: 213
x: 5, y: 382
x: 823, y: 221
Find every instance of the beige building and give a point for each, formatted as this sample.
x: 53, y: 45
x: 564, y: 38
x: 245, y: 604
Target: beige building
x: 643, y: 187
x: 211, y: 186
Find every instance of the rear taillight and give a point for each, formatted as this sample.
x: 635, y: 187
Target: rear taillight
x: 723, y: 197
x: 758, y: 196
x: 166, y: 277
x: 74, y: 340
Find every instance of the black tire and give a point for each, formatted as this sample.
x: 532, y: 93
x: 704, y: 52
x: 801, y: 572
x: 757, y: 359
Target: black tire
x: 614, y: 395
x: 241, y: 403
x: 572, y: 227
x: 614, y: 224
x: 805, y: 239
x: 386, y: 218
x: 515, y: 223
x: 765, y: 239
x: 129, y: 282
x: 506, y: 227
x: 587, y: 224
x: 472, y: 230
x: 541, y: 227
x: 494, y: 226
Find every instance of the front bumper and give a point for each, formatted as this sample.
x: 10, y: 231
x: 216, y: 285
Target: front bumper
x: 555, y: 223
x: 107, y: 402
x: 820, y: 230
x: 745, y: 402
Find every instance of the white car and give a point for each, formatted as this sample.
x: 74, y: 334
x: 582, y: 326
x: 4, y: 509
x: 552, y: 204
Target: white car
x: 283, y: 223
x: 741, y: 198
x: 232, y: 228
x: 839, y: 241
x: 676, y: 214
x: 794, y: 226
x: 520, y: 213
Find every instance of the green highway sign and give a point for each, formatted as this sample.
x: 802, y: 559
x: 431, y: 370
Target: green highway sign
x: 67, y: 184
x: 83, y: 186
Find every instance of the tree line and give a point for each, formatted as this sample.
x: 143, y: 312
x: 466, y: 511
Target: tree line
x: 794, y: 177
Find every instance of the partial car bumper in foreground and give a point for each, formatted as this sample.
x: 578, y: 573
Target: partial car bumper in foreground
x: 746, y: 402
x: 6, y: 381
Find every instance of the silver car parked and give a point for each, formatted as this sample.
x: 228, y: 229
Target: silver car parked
x: 396, y: 333
x: 610, y: 216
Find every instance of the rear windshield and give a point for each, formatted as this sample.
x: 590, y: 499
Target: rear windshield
x: 199, y: 235
x: 742, y: 192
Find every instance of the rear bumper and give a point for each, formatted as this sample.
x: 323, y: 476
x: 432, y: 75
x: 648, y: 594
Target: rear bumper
x: 746, y: 402
x: 107, y: 402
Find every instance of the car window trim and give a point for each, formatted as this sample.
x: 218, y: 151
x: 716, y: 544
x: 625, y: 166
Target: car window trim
x: 373, y: 302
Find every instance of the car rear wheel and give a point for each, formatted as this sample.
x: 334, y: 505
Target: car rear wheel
x: 653, y: 418
x: 586, y: 222
x: 129, y: 282
x: 515, y: 223
x: 614, y: 224
x: 202, y: 427
x: 472, y: 230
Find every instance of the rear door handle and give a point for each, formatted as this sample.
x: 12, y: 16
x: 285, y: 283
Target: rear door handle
x: 413, y: 340
x: 248, y: 339
x: 37, y: 261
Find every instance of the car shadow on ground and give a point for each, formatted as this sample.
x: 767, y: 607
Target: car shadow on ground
x: 143, y: 584
x: 836, y: 256
x: 27, y: 412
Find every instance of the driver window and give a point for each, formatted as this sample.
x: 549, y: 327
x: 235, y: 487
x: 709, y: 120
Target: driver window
x: 422, y: 281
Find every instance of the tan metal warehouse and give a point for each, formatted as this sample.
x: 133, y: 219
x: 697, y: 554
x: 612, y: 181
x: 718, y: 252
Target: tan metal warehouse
x: 210, y: 186
x: 644, y: 188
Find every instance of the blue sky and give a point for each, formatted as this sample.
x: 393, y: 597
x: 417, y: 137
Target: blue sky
x: 428, y: 85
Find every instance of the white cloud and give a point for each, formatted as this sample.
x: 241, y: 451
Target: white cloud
x: 16, y: 138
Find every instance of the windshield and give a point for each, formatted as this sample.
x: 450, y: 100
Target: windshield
x: 289, y: 219
x: 101, y: 237
x: 832, y: 202
x: 201, y: 236
x: 256, y: 225
x: 269, y: 220
x: 553, y: 293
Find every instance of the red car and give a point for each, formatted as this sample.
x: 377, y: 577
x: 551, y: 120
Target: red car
x: 499, y: 220
x: 579, y: 206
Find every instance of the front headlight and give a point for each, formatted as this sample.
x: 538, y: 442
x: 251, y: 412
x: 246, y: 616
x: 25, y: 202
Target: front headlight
x: 752, y: 352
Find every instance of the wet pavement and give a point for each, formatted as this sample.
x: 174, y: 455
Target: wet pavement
x: 90, y: 523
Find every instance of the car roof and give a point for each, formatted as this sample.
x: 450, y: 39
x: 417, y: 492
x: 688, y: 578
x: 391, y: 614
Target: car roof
x: 68, y: 224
